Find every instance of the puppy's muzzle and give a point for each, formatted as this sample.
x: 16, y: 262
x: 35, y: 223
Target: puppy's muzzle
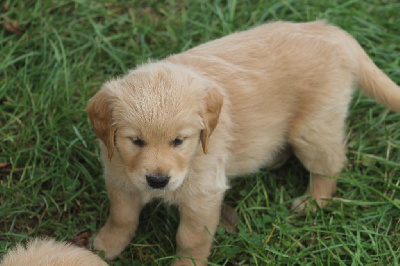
x: 157, y: 180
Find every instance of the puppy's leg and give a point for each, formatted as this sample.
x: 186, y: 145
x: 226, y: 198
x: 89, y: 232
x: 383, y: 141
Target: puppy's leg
x: 199, y: 218
x: 320, y: 146
x: 322, y: 188
x: 121, y: 224
x: 282, y: 157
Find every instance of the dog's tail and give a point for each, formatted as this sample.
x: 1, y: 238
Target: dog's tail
x: 376, y: 84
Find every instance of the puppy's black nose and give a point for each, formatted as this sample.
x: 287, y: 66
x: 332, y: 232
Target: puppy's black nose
x: 157, y: 180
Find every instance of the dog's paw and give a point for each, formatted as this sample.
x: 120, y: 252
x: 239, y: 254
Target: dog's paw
x: 111, y: 241
x: 301, y: 205
x: 304, y: 204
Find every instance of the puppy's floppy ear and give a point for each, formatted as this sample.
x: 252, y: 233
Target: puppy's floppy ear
x: 99, y: 110
x: 210, y: 115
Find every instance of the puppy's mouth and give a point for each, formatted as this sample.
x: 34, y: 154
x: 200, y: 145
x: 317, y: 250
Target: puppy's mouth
x: 164, y: 189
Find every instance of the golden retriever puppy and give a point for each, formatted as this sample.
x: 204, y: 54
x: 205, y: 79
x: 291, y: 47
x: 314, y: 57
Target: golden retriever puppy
x: 178, y: 129
x: 48, y: 252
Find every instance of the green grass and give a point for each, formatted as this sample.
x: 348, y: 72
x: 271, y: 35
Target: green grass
x: 54, y: 184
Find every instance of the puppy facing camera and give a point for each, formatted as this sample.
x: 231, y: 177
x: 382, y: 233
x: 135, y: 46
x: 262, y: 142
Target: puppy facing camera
x: 180, y: 128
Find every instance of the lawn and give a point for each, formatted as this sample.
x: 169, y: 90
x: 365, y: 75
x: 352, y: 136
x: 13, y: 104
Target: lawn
x: 55, y: 54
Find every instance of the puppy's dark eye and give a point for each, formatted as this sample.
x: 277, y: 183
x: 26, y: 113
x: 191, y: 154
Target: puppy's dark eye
x: 139, y: 142
x: 176, y: 142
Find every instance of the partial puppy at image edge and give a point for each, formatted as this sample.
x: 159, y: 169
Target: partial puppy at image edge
x: 48, y: 252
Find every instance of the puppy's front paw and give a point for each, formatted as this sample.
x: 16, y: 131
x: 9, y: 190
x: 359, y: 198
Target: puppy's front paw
x: 112, y: 240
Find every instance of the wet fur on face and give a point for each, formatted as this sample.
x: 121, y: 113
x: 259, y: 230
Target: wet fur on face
x: 179, y: 128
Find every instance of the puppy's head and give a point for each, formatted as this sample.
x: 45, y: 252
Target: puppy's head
x: 154, y: 119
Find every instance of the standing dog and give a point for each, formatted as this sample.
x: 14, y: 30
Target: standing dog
x: 177, y: 129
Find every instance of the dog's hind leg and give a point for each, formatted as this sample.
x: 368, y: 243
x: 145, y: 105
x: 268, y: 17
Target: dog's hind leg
x: 318, y: 142
x: 282, y: 157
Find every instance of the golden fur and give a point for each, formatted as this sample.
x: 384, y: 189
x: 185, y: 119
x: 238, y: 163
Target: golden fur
x: 48, y: 252
x: 223, y: 109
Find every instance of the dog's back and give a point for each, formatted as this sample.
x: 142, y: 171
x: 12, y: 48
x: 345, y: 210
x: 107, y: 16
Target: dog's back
x: 280, y: 76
